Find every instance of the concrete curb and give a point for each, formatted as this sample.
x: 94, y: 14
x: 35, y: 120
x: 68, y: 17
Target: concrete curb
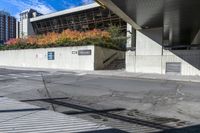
x: 148, y: 76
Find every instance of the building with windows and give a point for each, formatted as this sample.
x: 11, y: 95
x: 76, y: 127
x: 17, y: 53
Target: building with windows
x: 25, y: 27
x: 7, y: 26
x: 81, y: 18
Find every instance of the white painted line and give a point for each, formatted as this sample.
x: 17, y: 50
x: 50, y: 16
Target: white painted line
x: 12, y: 74
x: 36, y: 75
x: 80, y: 74
x: 14, y: 77
x: 26, y: 76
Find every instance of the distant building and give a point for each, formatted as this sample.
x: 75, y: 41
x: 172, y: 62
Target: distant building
x: 17, y: 29
x: 7, y: 26
x: 81, y: 18
x: 25, y: 27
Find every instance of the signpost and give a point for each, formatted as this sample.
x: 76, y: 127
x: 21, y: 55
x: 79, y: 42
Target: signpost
x: 51, y: 55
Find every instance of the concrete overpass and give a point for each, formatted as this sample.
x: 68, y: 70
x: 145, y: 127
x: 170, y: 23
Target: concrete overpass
x: 163, y: 35
x: 180, y: 19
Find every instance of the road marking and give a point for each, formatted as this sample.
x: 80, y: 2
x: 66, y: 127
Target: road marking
x: 37, y: 75
x: 14, y: 77
x: 26, y: 76
x: 12, y: 74
x: 80, y: 74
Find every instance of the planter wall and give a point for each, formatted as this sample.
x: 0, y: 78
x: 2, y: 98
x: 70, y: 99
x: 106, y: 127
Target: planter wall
x: 71, y: 58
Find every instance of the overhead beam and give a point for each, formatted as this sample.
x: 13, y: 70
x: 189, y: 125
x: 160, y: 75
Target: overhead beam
x: 119, y: 12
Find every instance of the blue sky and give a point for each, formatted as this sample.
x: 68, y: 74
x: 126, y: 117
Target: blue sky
x: 14, y: 7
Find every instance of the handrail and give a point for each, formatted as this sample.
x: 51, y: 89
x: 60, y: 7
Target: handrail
x: 182, y: 46
x: 106, y: 60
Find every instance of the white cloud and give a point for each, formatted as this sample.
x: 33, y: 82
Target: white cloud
x: 41, y: 6
x: 87, y: 1
x: 34, y: 4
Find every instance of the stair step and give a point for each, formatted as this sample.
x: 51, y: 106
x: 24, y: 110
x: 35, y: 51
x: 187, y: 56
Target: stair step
x: 116, y: 64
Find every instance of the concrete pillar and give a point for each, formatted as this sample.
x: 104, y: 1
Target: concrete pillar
x: 131, y: 37
x: 131, y: 44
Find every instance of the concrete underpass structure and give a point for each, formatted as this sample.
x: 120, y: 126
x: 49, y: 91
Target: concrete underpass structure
x: 163, y: 35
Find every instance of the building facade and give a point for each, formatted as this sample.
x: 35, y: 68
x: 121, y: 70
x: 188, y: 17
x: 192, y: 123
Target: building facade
x: 163, y: 35
x: 81, y: 18
x: 7, y: 26
x: 25, y: 27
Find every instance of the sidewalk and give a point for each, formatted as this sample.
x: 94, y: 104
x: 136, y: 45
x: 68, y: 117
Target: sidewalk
x: 121, y: 73
x: 116, y: 73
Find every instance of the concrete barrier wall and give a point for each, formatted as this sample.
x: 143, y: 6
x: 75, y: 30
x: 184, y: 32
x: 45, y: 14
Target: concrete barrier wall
x: 130, y: 61
x: 149, y: 56
x: 189, y: 59
x: 65, y: 58
x: 157, y: 63
x: 38, y: 58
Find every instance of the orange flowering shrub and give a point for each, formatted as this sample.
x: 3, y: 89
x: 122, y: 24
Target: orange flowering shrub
x: 66, y: 38
x: 67, y: 35
x: 31, y: 40
x: 13, y: 41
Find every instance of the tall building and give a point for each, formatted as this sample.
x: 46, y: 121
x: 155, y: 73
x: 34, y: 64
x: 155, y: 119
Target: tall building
x: 7, y: 26
x: 25, y: 28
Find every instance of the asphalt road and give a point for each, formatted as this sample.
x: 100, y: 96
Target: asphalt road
x: 150, y: 105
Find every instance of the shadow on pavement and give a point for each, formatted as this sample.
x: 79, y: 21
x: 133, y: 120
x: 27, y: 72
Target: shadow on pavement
x: 106, y: 131
x: 190, y: 129
x: 111, y: 115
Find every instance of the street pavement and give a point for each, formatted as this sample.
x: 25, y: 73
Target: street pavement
x: 151, y: 105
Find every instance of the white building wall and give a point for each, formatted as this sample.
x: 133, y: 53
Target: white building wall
x: 38, y: 58
x: 148, y: 42
x: 130, y: 61
x: 148, y: 51
x: 129, y: 36
x: 65, y: 58
x: 26, y: 28
x: 149, y: 56
x: 189, y: 59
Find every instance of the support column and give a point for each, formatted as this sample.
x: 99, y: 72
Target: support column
x: 130, y: 46
x: 131, y: 38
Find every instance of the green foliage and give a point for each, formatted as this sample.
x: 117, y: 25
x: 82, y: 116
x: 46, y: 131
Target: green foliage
x: 113, y: 38
x: 118, y: 38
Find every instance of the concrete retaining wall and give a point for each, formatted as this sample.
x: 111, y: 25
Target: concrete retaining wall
x: 157, y: 63
x: 65, y: 58
x: 149, y: 56
x: 104, y: 57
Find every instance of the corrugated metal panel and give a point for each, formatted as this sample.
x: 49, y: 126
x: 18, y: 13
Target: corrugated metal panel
x: 18, y: 117
x: 173, y: 67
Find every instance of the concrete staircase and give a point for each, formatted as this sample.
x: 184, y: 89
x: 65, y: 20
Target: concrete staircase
x: 116, y: 65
